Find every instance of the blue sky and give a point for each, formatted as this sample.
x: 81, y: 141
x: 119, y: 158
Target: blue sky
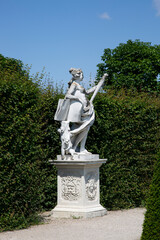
x: 60, y: 34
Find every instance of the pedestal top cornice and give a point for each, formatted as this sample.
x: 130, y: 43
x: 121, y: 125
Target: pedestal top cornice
x: 78, y: 160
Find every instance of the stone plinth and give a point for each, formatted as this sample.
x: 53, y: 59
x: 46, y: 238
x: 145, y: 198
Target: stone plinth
x: 78, y: 187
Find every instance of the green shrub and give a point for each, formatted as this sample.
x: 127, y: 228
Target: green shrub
x: 21, y: 176
x: 151, y: 227
x: 28, y: 139
x: 126, y: 132
x: 10, y: 66
x: 50, y: 145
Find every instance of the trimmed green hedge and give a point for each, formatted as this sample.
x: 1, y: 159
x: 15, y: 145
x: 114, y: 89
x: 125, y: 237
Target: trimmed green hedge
x: 151, y: 226
x: 28, y: 139
x: 127, y: 133
x: 21, y: 191
x: 50, y: 145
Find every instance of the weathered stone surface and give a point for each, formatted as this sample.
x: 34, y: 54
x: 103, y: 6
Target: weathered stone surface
x: 76, y: 114
x: 78, y: 187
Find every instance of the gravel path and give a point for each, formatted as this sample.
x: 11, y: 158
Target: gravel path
x: 116, y: 225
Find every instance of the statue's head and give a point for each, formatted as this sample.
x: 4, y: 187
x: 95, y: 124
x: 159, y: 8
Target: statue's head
x: 76, y: 74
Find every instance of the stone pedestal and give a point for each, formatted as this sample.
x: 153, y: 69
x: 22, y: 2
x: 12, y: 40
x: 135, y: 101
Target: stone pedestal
x: 78, y: 187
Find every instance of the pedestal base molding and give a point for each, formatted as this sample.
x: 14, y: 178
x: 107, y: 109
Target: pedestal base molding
x: 60, y: 212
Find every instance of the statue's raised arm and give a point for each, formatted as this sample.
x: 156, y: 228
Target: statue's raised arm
x: 99, y: 85
x: 76, y: 114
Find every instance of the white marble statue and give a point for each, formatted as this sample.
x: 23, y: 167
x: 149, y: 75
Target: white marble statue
x: 76, y: 114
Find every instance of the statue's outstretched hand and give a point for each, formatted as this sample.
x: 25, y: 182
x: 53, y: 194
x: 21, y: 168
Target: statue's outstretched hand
x: 105, y: 75
x: 85, y: 109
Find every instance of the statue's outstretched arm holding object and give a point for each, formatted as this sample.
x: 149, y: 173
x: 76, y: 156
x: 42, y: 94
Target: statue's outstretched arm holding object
x: 76, y: 114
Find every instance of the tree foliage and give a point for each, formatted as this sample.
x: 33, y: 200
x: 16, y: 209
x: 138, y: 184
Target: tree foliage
x: 134, y: 64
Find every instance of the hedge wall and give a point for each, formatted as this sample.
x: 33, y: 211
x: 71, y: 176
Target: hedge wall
x: 126, y: 132
x: 50, y: 145
x: 20, y: 150
x: 28, y: 139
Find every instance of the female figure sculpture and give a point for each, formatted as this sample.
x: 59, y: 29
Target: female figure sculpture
x: 76, y: 114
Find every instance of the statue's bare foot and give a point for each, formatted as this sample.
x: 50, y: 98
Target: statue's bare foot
x: 85, y: 152
x: 72, y: 151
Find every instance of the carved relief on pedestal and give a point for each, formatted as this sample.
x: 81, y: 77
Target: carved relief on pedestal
x: 70, y: 187
x: 92, y: 185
